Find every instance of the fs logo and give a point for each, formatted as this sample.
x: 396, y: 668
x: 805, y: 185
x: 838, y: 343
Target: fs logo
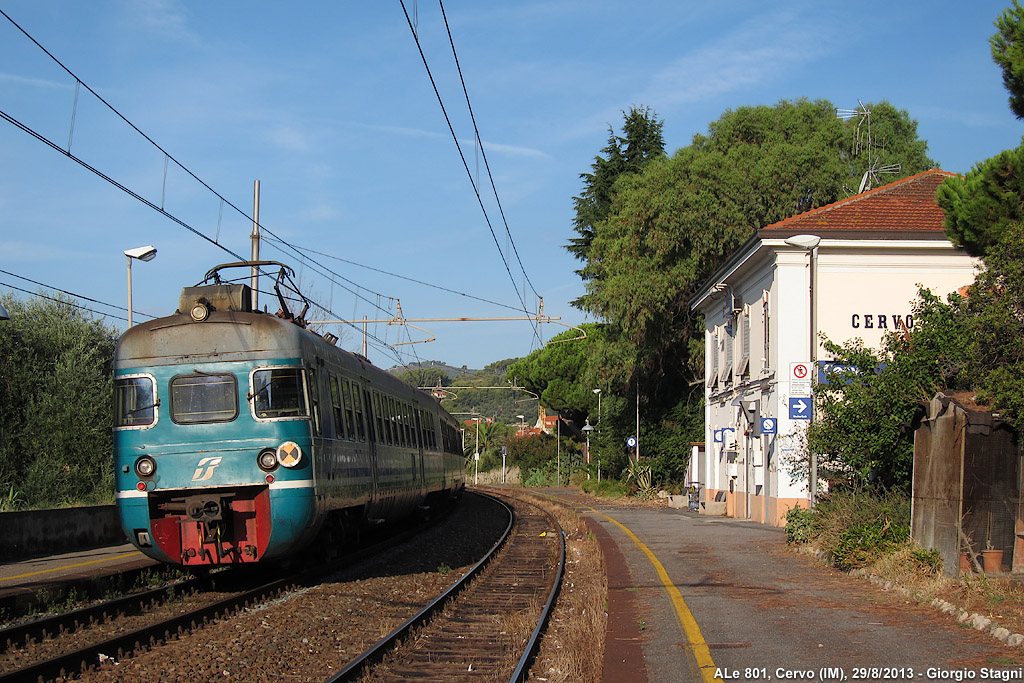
x: 205, y: 469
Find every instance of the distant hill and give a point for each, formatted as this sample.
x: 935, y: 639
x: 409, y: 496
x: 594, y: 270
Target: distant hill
x: 429, y: 368
x: 503, y: 404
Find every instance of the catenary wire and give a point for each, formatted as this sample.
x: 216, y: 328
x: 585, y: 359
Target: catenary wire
x: 465, y: 163
x: 483, y: 154
x: 223, y: 199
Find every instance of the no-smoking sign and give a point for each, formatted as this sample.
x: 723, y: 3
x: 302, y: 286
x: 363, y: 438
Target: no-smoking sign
x: 800, y: 379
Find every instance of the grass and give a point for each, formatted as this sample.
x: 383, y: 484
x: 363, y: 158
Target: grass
x: 572, y: 648
x: 867, y: 534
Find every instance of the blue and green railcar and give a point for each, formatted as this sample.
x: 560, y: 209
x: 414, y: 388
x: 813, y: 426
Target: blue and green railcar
x: 242, y: 437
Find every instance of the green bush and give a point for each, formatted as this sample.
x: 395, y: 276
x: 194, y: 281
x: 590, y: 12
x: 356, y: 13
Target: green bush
x: 927, y: 560
x: 801, y: 526
x: 539, y: 477
x: 606, y: 488
x: 863, y: 543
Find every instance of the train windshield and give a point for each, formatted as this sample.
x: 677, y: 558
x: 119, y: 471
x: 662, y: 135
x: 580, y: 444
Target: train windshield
x: 204, y: 397
x: 135, y: 402
x: 277, y: 392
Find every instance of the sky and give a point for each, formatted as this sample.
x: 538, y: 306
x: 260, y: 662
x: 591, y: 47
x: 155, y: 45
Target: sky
x: 363, y: 189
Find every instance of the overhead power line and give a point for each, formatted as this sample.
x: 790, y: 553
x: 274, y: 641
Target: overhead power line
x: 465, y: 163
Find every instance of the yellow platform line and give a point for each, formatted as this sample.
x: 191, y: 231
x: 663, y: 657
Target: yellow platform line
x: 701, y: 652
x: 70, y: 566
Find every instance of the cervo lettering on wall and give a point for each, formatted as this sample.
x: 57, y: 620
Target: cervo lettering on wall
x: 880, y: 321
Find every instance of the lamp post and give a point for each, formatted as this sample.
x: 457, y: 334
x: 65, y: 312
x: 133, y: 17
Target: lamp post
x: 810, y: 243
x: 598, y: 392
x: 146, y: 253
x: 588, y: 428
x: 476, y: 453
x: 522, y: 424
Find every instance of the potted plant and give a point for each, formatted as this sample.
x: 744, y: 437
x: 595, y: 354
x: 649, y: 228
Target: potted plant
x: 992, y: 559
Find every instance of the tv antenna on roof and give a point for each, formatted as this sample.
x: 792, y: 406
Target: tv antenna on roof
x: 874, y: 169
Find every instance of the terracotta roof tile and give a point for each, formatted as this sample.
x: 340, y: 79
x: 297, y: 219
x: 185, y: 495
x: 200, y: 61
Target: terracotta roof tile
x: 904, y: 205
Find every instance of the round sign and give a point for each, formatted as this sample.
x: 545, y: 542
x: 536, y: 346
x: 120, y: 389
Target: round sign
x: 631, y: 442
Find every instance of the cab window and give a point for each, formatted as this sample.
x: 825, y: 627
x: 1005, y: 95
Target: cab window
x: 204, y: 397
x: 135, y: 402
x: 278, y: 393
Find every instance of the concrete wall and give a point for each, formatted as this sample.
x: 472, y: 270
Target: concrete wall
x: 36, y: 532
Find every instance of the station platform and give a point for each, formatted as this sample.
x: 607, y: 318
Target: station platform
x: 51, y: 578
x: 699, y: 598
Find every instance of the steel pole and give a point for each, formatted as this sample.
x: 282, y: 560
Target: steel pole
x: 129, y: 291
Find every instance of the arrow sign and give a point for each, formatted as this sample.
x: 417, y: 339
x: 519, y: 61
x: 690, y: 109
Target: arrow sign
x: 799, y: 408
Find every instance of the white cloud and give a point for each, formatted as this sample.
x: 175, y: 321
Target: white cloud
x: 289, y: 139
x: 761, y: 51
x: 34, y: 82
x: 162, y: 17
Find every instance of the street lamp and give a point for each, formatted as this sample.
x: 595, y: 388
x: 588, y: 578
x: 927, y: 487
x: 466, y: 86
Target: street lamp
x: 598, y: 392
x: 810, y: 243
x: 146, y: 253
x: 476, y: 453
x: 522, y: 424
x: 588, y: 428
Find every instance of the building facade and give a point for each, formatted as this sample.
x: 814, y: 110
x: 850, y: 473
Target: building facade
x: 847, y: 270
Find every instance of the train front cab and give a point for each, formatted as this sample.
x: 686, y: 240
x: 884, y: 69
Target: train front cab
x: 214, y: 461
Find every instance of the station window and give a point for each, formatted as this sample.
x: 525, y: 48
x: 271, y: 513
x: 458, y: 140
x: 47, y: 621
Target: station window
x: 135, y: 401
x: 204, y: 397
x: 278, y: 393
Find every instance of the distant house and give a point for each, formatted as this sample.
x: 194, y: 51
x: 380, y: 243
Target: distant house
x: 870, y: 253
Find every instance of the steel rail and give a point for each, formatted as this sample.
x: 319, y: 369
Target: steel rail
x: 531, y: 647
x: 70, y: 621
x: 90, y: 656
x: 377, y: 651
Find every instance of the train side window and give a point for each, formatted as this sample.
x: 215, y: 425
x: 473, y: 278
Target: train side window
x: 389, y: 418
x: 135, y: 402
x: 362, y: 409
x: 203, y: 397
x: 403, y: 422
x: 350, y: 420
x: 360, y: 418
x: 379, y: 416
x: 278, y: 393
x: 340, y: 426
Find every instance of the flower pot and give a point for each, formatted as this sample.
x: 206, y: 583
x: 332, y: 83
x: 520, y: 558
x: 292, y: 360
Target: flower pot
x: 965, y: 563
x: 992, y: 560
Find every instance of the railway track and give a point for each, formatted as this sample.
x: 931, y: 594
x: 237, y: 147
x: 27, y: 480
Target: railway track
x: 142, y: 620
x: 485, y: 627
x: 313, y: 630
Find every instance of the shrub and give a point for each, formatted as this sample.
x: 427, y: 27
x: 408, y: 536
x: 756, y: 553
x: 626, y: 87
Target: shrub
x: 863, y: 543
x: 801, y: 525
x: 607, y: 488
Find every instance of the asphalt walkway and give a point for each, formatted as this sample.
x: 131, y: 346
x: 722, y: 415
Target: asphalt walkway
x: 723, y: 599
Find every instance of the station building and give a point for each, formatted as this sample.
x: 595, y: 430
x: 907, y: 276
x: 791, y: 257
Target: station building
x: 858, y: 263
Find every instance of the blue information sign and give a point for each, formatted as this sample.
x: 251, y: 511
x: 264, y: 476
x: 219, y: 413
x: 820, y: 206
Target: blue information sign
x: 768, y: 425
x: 799, y: 408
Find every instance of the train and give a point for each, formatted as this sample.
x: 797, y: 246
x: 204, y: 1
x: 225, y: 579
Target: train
x: 244, y: 437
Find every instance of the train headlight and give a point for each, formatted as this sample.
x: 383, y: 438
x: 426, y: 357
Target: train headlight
x: 289, y: 454
x: 145, y: 466
x: 200, y: 312
x: 267, y: 460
